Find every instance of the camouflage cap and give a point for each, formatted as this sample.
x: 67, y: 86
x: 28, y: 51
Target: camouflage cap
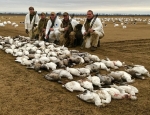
x: 52, y: 13
x: 43, y: 14
x: 65, y: 14
x: 31, y: 8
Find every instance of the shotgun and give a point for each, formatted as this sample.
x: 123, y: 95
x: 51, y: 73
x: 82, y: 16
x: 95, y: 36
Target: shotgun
x: 33, y: 23
x: 67, y: 32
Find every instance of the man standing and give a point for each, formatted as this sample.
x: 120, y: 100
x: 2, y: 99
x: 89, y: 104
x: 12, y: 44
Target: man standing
x: 67, y: 30
x: 92, y: 35
x: 42, y: 26
x: 31, y: 21
x: 52, y: 32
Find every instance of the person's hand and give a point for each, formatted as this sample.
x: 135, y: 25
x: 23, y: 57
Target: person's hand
x: 46, y: 37
x: 85, y: 33
x: 51, y: 29
x: 27, y: 31
x: 91, y: 30
x: 43, y: 30
x: 66, y: 28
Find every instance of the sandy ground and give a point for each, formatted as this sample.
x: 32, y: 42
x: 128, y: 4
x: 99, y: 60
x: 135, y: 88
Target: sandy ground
x: 26, y: 92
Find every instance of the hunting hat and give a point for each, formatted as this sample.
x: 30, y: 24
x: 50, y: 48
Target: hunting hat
x: 65, y: 14
x: 43, y: 14
x: 52, y: 13
x: 31, y: 8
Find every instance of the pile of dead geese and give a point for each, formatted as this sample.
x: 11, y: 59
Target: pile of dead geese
x: 63, y: 66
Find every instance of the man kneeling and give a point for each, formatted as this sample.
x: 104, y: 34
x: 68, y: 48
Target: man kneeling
x: 67, y: 36
x: 92, y: 31
x: 52, y: 32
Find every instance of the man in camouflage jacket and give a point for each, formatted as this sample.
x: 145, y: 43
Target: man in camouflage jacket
x: 42, y: 26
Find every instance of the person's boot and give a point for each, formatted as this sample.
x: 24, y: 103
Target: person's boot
x: 56, y: 42
x: 70, y: 46
x: 37, y: 36
x: 93, y: 48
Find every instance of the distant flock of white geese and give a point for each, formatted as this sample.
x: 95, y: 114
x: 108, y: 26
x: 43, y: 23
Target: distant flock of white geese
x: 2, y: 24
x: 5, y: 23
x: 117, y: 22
x: 77, y: 71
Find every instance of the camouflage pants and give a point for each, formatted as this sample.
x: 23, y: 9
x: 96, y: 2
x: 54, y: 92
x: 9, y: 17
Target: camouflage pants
x: 41, y: 35
x: 68, y: 42
x: 93, y: 39
x: 32, y: 33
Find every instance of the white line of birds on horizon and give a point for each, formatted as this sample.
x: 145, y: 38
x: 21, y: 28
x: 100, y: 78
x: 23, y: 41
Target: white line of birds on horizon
x: 4, y: 23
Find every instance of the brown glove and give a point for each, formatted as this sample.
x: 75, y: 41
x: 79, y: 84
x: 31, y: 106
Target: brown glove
x: 27, y: 31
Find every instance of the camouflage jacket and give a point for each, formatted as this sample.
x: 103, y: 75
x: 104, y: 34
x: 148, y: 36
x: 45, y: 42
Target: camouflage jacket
x: 42, y: 25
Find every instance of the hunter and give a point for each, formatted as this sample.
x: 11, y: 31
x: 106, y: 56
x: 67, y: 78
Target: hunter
x: 31, y: 22
x: 92, y: 35
x: 67, y: 36
x: 42, y: 26
x: 52, y: 32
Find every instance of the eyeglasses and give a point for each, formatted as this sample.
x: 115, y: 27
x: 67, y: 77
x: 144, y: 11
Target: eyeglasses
x: 31, y: 9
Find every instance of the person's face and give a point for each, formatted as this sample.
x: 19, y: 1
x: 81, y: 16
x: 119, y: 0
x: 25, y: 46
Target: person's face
x: 43, y: 16
x: 66, y: 17
x: 52, y: 16
x: 89, y: 15
x: 31, y: 11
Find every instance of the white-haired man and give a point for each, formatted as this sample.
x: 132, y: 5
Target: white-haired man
x: 92, y: 35
x: 31, y: 21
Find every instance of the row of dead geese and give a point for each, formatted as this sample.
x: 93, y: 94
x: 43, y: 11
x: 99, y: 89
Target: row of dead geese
x: 61, y: 64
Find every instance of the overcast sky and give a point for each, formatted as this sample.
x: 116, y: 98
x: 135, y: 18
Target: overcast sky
x: 78, y: 6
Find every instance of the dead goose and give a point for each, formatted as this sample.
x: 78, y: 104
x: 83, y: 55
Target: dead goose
x: 36, y: 66
x: 139, y: 69
x: 115, y: 93
x: 93, y: 68
x: 75, y: 60
x: 44, y: 59
x: 65, y: 73
x: 51, y: 65
x: 87, y: 59
x: 121, y: 75
x: 104, y: 95
x: 84, y: 71
x: 73, y: 71
x: 91, y: 97
x: 52, y: 77
x: 135, y: 74
x: 127, y: 89
x: 95, y: 80
x: 116, y: 62
x: 94, y: 58
x: 73, y: 85
x: 116, y: 75
x: 9, y: 51
x: 101, y: 66
x: 106, y: 80
x: 109, y: 64
x: 86, y: 83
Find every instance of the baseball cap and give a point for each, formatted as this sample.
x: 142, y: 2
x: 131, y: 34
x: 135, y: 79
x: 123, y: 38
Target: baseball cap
x: 52, y: 13
x: 65, y: 14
